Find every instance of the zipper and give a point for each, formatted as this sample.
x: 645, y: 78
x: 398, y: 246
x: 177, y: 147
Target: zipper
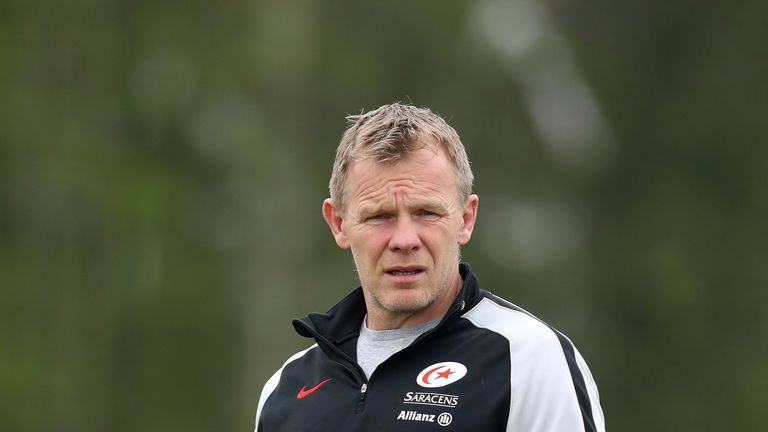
x: 361, y: 402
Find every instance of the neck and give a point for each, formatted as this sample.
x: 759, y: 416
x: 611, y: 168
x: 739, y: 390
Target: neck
x: 379, y: 319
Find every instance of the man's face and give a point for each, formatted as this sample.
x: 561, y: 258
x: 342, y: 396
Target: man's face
x: 404, y: 224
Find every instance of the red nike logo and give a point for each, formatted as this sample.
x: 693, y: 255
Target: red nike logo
x: 304, y: 392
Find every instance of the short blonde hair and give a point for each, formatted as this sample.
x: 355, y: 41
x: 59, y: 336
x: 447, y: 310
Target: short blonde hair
x: 389, y: 134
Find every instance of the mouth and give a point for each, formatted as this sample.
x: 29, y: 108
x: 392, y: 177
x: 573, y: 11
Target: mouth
x: 404, y: 271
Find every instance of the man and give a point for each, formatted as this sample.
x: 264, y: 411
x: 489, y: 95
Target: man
x: 419, y: 346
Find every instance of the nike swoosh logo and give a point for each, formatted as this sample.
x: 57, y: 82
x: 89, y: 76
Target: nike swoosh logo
x: 306, y: 392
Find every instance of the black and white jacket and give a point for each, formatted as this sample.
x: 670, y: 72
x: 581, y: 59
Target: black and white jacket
x: 488, y: 366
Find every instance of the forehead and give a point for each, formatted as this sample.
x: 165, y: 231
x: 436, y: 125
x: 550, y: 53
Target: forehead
x: 427, y: 174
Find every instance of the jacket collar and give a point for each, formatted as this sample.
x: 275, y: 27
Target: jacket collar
x: 342, y: 322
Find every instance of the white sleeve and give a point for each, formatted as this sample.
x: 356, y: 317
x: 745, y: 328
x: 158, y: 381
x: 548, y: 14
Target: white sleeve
x: 551, y: 388
x: 269, y: 387
x: 594, y: 396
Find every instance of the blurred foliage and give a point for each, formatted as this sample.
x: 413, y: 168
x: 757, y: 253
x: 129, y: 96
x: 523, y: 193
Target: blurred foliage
x: 162, y: 166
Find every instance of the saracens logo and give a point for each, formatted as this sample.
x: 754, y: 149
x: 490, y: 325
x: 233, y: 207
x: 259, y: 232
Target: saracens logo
x: 441, y: 374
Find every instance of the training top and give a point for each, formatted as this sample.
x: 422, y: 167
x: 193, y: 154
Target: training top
x: 487, y: 366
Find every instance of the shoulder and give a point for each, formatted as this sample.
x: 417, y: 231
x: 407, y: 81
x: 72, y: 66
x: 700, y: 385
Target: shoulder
x: 511, y: 321
x: 535, y: 349
x: 274, y: 380
x: 547, y: 373
x: 292, y: 359
x: 299, y: 355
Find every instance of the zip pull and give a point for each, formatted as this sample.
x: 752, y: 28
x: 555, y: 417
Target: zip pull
x: 361, y: 402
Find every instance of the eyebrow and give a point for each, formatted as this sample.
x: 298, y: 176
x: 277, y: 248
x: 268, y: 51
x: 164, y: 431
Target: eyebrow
x: 375, y: 209
x: 432, y: 205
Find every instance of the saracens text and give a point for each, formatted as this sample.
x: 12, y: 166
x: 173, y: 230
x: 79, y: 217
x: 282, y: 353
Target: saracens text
x: 436, y: 399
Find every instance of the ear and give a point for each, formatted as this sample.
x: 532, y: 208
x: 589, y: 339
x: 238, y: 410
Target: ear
x: 468, y: 218
x: 335, y: 220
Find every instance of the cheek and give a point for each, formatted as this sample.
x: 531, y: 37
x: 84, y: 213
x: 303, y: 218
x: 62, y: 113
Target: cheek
x: 441, y: 242
x: 447, y: 232
x: 368, y: 243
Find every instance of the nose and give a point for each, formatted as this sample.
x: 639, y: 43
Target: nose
x: 405, y: 237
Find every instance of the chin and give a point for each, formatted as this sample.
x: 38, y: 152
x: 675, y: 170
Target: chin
x: 408, y: 303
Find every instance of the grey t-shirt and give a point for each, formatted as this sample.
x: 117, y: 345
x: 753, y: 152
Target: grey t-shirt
x: 375, y: 346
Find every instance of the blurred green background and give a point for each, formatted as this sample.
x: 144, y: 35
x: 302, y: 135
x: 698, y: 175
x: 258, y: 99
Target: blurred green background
x: 163, y: 164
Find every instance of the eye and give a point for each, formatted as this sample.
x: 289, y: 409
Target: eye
x: 427, y: 214
x: 377, y: 217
